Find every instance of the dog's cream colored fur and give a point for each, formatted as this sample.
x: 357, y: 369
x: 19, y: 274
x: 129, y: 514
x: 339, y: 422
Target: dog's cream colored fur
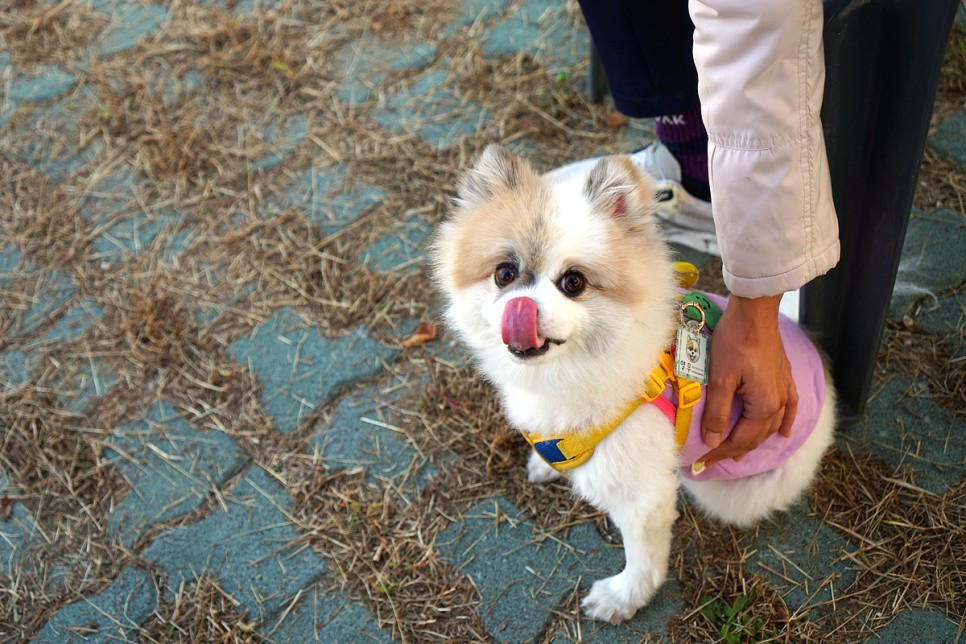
x: 601, y: 224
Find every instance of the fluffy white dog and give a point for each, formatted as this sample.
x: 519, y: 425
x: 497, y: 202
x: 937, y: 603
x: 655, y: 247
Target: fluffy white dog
x: 566, y: 295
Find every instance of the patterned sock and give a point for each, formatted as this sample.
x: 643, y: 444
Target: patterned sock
x: 685, y: 136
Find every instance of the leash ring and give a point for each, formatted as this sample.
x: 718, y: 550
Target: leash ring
x: 694, y: 325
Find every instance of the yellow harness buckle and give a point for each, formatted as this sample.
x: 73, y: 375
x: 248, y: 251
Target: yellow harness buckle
x: 654, y: 384
x: 689, y: 393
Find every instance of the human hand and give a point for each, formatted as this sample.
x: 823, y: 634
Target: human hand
x: 747, y: 358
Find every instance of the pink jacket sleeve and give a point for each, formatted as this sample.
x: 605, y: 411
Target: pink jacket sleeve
x: 761, y: 78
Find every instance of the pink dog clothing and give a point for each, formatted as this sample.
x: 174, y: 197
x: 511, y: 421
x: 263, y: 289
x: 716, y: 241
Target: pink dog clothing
x: 809, y: 375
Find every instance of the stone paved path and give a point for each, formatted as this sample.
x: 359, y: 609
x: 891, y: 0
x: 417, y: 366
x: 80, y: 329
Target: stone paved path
x: 203, y: 459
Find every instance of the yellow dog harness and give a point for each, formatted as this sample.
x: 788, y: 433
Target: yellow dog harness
x: 567, y: 451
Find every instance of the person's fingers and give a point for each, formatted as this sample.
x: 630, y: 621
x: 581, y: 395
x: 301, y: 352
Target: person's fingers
x: 776, y: 422
x: 746, y: 436
x: 791, y: 409
x: 726, y: 450
x: 717, y: 412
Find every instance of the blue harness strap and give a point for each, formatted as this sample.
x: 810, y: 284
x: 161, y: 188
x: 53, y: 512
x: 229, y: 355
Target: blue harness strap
x: 549, y: 451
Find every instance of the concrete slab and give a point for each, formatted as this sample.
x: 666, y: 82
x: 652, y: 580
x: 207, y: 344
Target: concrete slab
x: 283, y: 137
x: 122, y: 225
x: 114, y: 614
x: 246, y: 547
x: 77, y: 389
x: 50, y: 292
x: 206, y: 312
x: 53, y: 290
x: 171, y: 469
x: 7, y: 73
x: 920, y: 626
x: 15, y: 368
x: 646, y: 626
x: 173, y: 245
x: 903, y: 426
x: 75, y: 322
x: 325, y: 616
x: 330, y: 197
x: 795, y: 553
x: 175, y: 89
x: 130, y: 236
x: 53, y: 149
x: 540, y: 28
x: 946, y: 316
x: 932, y: 257
x: 643, y: 627
x: 419, y: 109
x: 17, y: 533
x: 131, y: 22
x: 10, y: 258
x: 300, y: 369
x: 46, y: 83
x: 362, y: 65
x: 475, y: 12
x: 950, y: 138
x: 522, y: 576
x: 403, y: 248
x: 365, y: 430
x: 242, y: 7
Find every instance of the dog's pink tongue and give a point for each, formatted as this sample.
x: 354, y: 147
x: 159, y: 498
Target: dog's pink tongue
x: 520, y: 324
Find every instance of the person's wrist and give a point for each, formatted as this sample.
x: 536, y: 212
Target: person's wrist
x: 763, y: 308
x: 755, y: 318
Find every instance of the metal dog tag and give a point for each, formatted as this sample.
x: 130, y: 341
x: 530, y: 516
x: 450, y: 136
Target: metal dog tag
x: 691, y: 359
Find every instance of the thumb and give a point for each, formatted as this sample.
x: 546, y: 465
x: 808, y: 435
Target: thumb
x: 717, y: 413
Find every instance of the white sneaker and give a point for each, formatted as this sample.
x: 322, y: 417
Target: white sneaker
x: 689, y: 221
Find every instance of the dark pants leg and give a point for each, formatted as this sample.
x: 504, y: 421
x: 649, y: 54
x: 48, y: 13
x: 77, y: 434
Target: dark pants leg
x: 646, y: 51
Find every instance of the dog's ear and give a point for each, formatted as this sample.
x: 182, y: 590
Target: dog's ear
x: 617, y: 188
x: 496, y: 170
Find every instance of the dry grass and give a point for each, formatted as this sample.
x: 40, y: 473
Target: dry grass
x: 68, y: 488
x: 36, y: 33
x: 384, y: 555
x: 187, y: 113
x: 201, y: 612
x: 915, y: 352
x: 951, y: 94
x: 55, y: 462
x: 911, y: 543
x: 156, y: 325
x: 942, y: 184
x: 39, y: 217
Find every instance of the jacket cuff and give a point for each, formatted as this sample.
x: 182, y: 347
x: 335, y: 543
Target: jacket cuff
x: 791, y: 280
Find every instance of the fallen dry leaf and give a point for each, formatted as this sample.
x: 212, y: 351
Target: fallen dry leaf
x: 615, y: 120
x: 425, y: 333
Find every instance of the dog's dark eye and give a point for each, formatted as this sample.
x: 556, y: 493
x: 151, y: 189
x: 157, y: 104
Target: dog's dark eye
x: 573, y: 283
x: 505, y: 274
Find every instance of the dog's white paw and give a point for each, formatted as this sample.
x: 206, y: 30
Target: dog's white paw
x: 539, y: 472
x: 615, y: 599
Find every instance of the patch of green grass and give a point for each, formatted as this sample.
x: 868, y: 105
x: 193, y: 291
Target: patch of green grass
x: 562, y: 78
x: 735, y: 623
x: 360, y: 513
